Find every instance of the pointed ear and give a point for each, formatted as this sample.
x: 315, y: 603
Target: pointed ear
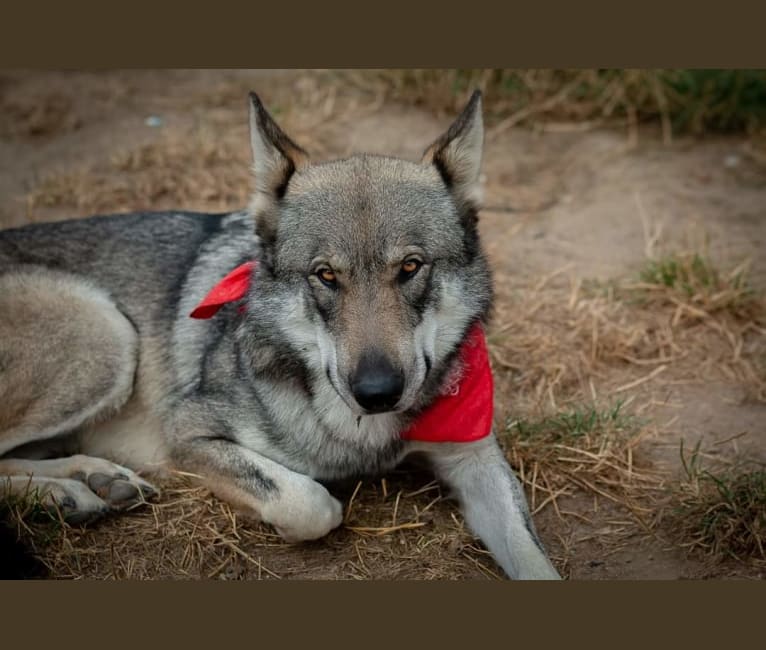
x: 275, y: 159
x: 275, y: 156
x: 457, y: 155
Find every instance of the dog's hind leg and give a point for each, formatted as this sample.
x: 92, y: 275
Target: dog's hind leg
x: 67, y: 357
x: 493, y: 503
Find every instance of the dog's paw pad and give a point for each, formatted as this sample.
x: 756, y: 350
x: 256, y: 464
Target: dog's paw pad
x: 120, y: 491
x: 76, y: 503
x: 99, y: 482
x: 119, y: 487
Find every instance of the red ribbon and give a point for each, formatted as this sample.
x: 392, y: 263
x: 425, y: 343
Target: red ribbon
x: 233, y: 287
x: 462, y: 414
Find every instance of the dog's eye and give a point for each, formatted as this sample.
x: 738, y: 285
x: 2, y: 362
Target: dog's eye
x: 409, y: 268
x: 327, y: 276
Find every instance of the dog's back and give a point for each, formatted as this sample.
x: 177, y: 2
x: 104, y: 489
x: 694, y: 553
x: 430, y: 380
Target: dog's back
x: 138, y: 258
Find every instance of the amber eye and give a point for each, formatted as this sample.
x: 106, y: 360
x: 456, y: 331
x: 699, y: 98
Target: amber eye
x: 327, y: 276
x: 409, y: 268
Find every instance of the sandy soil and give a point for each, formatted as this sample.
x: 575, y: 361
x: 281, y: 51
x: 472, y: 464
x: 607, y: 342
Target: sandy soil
x: 562, y: 206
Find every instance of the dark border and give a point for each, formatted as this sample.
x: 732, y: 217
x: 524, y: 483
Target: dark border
x: 472, y: 615
x: 487, y: 34
x: 469, y: 614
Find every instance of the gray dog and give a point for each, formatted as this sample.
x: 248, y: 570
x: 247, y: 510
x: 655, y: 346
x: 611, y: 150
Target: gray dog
x: 358, y: 286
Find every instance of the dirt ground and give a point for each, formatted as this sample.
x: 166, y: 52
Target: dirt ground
x: 567, y: 209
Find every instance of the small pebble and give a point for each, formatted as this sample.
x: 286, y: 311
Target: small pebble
x: 153, y: 121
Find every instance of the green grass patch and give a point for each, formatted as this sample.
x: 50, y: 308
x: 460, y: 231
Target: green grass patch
x: 722, y: 514
x: 575, y: 423
x: 683, y: 100
x: 692, y: 278
x: 29, y: 516
x: 689, y: 279
x: 26, y: 528
x: 585, y: 448
x: 688, y: 274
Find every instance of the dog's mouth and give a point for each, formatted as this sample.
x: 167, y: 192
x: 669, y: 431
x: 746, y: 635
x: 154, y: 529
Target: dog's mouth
x: 371, y: 404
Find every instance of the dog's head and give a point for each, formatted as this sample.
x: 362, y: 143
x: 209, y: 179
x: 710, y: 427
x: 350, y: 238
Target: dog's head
x: 378, y: 258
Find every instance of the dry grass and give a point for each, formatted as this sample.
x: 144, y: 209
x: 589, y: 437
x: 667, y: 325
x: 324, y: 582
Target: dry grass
x: 554, y: 344
x: 720, y: 513
x: 398, y: 528
x: 582, y: 448
x: 38, y: 115
x: 679, y: 100
x: 202, y: 166
x: 699, y: 296
x: 691, y: 281
x: 196, y: 169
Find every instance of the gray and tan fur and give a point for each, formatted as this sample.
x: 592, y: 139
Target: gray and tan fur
x: 370, y: 274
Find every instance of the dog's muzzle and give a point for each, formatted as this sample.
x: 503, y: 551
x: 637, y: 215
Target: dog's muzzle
x: 376, y: 384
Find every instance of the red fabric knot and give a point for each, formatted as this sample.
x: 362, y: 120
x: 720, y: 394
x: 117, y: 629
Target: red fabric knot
x: 232, y: 288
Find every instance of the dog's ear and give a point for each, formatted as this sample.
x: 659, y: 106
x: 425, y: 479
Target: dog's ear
x: 275, y: 159
x: 457, y: 155
x: 275, y: 156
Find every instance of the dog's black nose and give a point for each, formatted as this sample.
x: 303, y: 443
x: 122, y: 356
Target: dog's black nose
x: 376, y: 384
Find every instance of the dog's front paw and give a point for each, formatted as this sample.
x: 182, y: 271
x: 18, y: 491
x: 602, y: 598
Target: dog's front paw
x: 309, y: 513
x: 118, y: 486
x: 77, y: 504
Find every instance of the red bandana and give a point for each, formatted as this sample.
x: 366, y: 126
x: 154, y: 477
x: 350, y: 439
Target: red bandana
x: 462, y: 414
x: 233, y: 287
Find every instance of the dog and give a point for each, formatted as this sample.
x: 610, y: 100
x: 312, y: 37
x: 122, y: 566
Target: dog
x: 357, y: 284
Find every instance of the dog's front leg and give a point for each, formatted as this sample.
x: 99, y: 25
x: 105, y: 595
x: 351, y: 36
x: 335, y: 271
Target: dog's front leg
x: 493, y: 504
x: 297, y: 506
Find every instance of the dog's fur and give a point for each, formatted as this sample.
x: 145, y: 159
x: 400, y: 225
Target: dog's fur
x: 99, y: 358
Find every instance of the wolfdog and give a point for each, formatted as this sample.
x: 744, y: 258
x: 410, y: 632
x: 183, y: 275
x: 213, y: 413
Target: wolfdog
x: 346, y: 335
